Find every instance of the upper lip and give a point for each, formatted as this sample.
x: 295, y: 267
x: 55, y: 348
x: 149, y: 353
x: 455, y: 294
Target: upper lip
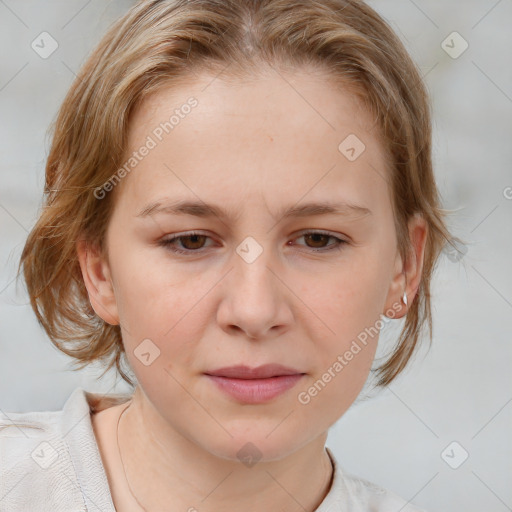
x: 260, y: 372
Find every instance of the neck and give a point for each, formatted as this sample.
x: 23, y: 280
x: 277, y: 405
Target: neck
x: 163, y: 466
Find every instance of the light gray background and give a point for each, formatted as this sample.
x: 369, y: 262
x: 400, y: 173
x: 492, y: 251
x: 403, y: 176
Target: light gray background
x: 461, y: 389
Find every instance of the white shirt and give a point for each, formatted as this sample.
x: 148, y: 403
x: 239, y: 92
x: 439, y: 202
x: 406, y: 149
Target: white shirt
x: 50, y: 461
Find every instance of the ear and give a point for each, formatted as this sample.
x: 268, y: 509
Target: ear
x: 407, y: 276
x: 98, y: 281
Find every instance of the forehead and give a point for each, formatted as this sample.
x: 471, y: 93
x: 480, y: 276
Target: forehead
x: 300, y: 95
x: 278, y: 134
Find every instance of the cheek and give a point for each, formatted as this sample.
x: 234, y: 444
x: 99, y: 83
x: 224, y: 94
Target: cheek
x: 163, y: 313
x: 347, y: 300
x: 349, y: 303
x: 330, y: 391
x: 343, y: 360
x: 152, y: 293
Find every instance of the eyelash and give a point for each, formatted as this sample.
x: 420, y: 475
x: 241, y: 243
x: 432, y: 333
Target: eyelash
x: 168, y: 243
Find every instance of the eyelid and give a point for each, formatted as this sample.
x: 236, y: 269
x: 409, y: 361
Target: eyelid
x: 175, y: 237
x: 322, y: 232
x: 340, y: 241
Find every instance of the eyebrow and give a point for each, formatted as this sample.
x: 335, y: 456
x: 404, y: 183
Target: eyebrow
x: 202, y: 209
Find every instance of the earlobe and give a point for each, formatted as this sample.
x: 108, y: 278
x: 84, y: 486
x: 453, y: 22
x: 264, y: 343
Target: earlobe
x: 97, y: 279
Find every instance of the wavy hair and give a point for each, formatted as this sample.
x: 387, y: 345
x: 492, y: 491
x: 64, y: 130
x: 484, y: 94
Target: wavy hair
x: 158, y: 43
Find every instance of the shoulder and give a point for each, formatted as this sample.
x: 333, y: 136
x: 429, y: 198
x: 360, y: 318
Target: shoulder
x: 376, y: 498
x: 49, y: 460
x: 355, y: 494
x: 35, y: 458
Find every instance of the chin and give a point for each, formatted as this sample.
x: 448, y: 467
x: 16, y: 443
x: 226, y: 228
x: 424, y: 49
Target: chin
x: 254, y: 443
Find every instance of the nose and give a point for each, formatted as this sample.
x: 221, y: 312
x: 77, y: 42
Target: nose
x: 255, y: 302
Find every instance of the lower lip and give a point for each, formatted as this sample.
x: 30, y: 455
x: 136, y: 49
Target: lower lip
x: 256, y: 390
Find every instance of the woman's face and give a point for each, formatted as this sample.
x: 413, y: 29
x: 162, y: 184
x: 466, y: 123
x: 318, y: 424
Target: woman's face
x: 280, y: 270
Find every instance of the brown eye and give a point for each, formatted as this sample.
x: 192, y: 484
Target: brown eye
x: 318, y: 241
x: 185, y: 244
x: 196, y: 241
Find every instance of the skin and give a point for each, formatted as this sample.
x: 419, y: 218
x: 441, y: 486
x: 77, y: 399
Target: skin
x: 252, y: 147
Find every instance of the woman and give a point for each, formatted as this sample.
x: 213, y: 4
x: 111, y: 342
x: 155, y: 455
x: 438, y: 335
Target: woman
x: 236, y: 192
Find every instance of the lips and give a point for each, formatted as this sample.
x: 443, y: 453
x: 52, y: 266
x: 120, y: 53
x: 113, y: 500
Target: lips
x: 260, y: 372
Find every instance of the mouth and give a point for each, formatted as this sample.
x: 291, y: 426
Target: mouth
x: 255, y: 385
x: 260, y: 372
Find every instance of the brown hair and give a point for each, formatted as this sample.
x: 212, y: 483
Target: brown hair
x: 161, y: 42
